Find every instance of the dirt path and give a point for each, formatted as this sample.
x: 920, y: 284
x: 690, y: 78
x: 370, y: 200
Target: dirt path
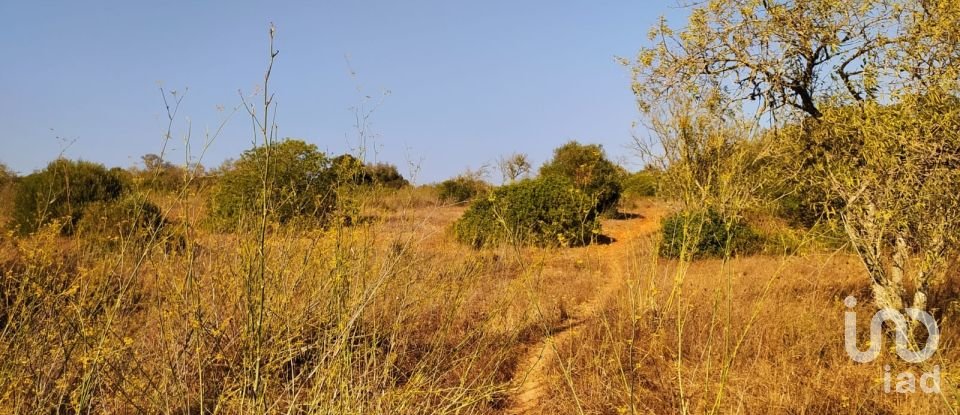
x: 531, y: 376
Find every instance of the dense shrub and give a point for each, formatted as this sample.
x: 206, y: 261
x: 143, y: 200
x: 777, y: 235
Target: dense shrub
x: 386, y: 175
x: 60, y: 191
x: 588, y: 168
x: 706, y: 234
x: 159, y: 174
x: 641, y: 183
x: 299, y: 183
x: 7, y: 181
x: 548, y: 211
x: 6, y: 175
x: 351, y: 170
x: 461, y: 189
x: 348, y: 169
x: 130, y: 217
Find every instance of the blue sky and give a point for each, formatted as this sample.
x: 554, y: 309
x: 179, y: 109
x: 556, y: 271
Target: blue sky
x: 468, y: 81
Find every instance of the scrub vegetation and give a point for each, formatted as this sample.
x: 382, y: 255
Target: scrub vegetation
x: 798, y: 153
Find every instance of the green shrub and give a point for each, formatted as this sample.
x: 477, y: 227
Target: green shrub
x: 60, y: 191
x: 642, y: 183
x: 548, y: 211
x: 159, y: 174
x: 706, y: 234
x: 129, y: 217
x: 588, y: 168
x: 461, y: 189
x: 386, y: 175
x: 350, y: 170
x: 7, y: 176
x: 299, y: 184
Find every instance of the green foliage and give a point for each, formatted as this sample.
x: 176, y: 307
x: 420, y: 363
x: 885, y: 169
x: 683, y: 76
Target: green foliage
x: 61, y: 191
x: 159, y: 174
x: 461, y: 189
x: 706, y: 234
x: 7, y: 176
x: 642, y: 183
x: 131, y: 218
x: 292, y: 178
x: 348, y: 169
x: 386, y: 175
x: 589, y: 170
x: 549, y: 211
x: 351, y: 170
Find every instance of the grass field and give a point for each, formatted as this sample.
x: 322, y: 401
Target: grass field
x: 392, y: 316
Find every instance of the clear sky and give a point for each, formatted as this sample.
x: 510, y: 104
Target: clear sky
x: 468, y: 81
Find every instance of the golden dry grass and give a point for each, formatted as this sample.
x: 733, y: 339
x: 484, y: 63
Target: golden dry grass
x: 391, y: 316
x: 753, y: 335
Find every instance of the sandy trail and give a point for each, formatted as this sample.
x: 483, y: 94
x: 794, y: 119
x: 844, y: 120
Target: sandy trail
x: 531, y: 375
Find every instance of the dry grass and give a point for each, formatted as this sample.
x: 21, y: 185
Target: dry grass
x: 386, y: 316
x: 752, y: 335
x: 389, y: 315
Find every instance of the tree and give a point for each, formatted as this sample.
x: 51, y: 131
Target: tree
x: 797, y: 54
x: 707, y: 160
x: 896, y: 168
x: 153, y: 162
x: 513, y: 167
x: 586, y: 165
x: 830, y: 77
x: 292, y: 177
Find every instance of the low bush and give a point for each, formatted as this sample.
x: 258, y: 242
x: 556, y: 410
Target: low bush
x: 61, y: 191
x: 386, y: 175
x: 130, y: 218
x: 640, y: 184
x: 548, y: 211
x: 351, y: 170
x: 704, y: 234
x: 461, y: 189
x: 161, y: 175
x: 7, y: 176
x: 587, y: 166
x: 299, y: 184
x: 7, y: 181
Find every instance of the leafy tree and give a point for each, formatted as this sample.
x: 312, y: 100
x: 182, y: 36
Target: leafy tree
x: 795, y: 54
x: 587, y: 167
x: 869, y: 86
x: 895, y: 168
x: 548, y: 211
x: 60, y: 191
x: 291, y: 178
